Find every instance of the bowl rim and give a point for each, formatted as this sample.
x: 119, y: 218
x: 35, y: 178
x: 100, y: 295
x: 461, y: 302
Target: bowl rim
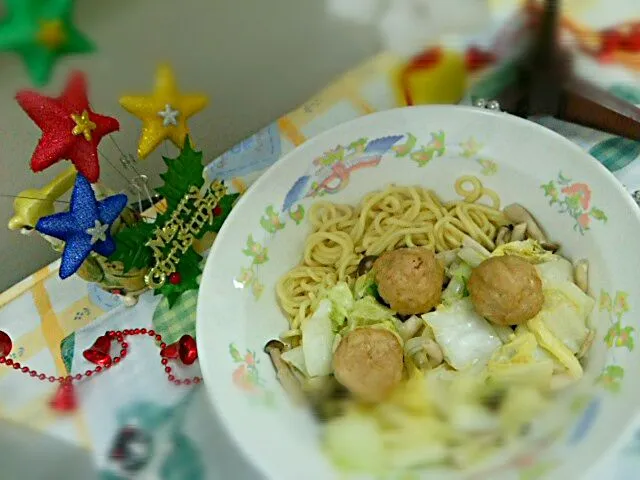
x: 235, y: 439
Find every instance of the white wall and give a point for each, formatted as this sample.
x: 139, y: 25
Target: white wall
x: 256, y: 59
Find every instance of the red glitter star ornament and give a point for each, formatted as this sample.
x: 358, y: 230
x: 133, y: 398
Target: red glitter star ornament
x: 70, y: 129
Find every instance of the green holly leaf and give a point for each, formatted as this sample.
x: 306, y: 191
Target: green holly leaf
x: 189, y: 270
x: 182, y: 172
x: 131, y: 248
x: 226, y: 204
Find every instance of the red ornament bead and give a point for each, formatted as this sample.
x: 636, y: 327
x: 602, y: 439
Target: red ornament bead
x: 187, y: 382
x: 8, y: 361
x: 217, y: 211
x: 159, y: 338
x: 116, y: 291
x: 177, y: 382
x: 33, y: 373
x: 116, y: 360
x: 78, y: 376
x: 88, y: 373
x: 175, y: 278
x: 164, y: 361
x: 124, y: 345
x: 196, y: 380
x: 5, y: 344
x: 42, y: 376
x: 123, y: 353
x: 167, y: 369
x: 2, y: 359
x: 126, y: 331
x: 188, y: 349
x: 136, y: 331
x: 25, y: 369
x: 171, y: 378
x: 64, y: 399
x: 163, y: 345
x: 143, y: 331
x: 111, y: 333
x: 68, y: 378
x: 172, y: 351
x: 52, y: 379
x: 16, y: 366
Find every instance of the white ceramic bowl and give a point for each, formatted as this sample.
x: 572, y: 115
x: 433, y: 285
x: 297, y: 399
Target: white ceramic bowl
x: 576, y: 200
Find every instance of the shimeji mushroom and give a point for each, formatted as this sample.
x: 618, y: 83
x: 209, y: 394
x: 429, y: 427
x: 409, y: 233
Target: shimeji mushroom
x: 289, y: 382
x: 516, y: 214
x: 366, y: 264
x: 504, y: 236
x: 424, y: 351
x: 581, y: 274
x: 447, y: 257
x: 519, y: 232
x: 410, y: 327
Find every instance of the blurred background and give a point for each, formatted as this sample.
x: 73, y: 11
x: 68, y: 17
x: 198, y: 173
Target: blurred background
x: 255, y: 60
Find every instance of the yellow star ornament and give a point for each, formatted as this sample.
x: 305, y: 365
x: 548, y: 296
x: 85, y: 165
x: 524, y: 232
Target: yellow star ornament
x: 164, y: 113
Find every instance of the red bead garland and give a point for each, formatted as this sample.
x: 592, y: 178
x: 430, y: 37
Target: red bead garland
x: 99, y: 353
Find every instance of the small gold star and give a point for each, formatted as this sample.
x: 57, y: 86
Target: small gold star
x: 84, y: 126
x: 52, y: 34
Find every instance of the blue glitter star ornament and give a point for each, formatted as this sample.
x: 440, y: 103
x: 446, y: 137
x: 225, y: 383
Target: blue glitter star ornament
x: 85, y: 227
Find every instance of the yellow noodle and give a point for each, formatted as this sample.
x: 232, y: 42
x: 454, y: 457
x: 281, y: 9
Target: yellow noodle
x: 385, y: 220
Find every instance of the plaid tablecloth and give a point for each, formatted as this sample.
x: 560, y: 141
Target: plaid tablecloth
x: 52, y: 321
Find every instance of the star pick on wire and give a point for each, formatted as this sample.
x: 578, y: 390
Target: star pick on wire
x: 85, y: 227
x: 70, y: 129
x: 164, y: 113
x: 41, y: 32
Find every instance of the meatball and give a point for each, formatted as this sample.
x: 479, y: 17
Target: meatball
x: 506, y: 290
x: 369, y: 362
x: 409, y: 279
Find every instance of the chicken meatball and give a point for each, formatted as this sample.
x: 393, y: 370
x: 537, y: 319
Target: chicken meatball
x: 369, y: 362
x: 506, y: 290
x: 409, y: 279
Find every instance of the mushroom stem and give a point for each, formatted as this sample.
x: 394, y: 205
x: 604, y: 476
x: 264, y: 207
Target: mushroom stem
x: 285, y: 376
x: 519, y: 232
x: 409, y: 328
x: 586, y: 345
x: 418, y: 346
x: 469, y: 242
x: 447, y: 257
x: 504, y: 236
x: 366, y: 264
x: 581, y: 274
x: 516, y: 213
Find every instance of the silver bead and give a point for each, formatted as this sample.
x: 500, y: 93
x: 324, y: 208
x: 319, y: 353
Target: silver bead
x: 636, y: 196
x: 493, y: 105
x: 480, y: 103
